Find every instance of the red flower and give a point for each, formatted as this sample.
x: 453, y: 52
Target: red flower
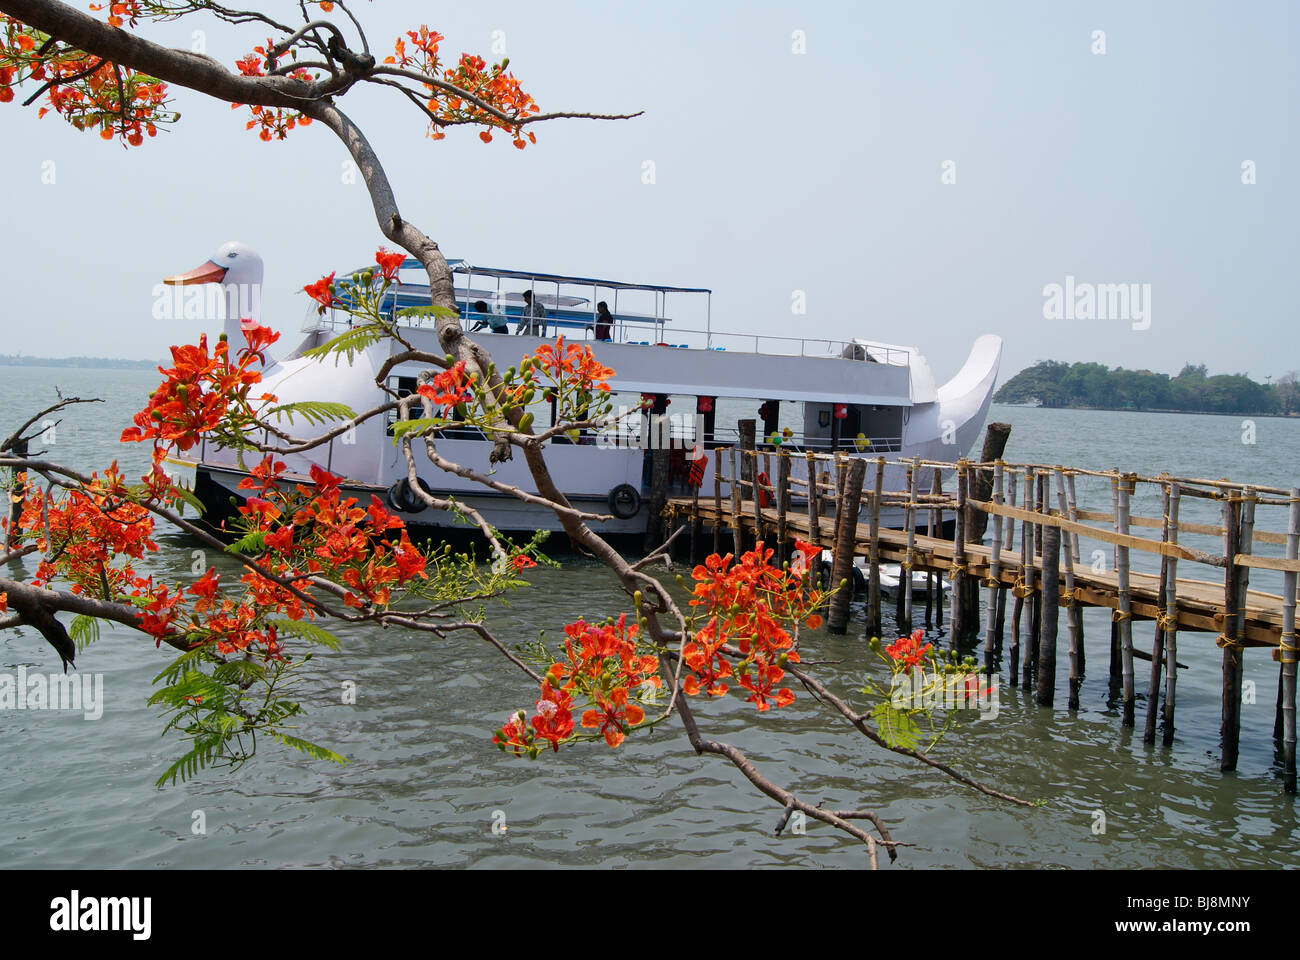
x: 614, y: 716
x: 522, y: 562
x: 389, y: 262
x: 554, y: 718
x: 323, y: 480
x: 450, y: 387
x: 322, y: 292
x: 908, y: 650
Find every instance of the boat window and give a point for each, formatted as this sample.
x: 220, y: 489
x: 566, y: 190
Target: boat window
x: 404, y: 386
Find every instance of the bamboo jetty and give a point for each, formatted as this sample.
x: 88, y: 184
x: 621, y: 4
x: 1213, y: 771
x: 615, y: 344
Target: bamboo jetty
x: 840, y: 503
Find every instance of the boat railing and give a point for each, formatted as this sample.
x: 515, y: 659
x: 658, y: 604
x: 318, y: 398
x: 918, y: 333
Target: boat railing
x: 661, y: 333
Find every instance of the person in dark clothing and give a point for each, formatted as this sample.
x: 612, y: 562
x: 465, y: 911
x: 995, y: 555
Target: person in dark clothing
x: 604, y: 322
x: 532, y: 320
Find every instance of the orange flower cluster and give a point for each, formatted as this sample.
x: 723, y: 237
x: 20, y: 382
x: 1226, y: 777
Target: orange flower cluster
x: 909, y: 651
x: 201, y: 391
x: 603, y: 666
x: 327, y: 533
x: 746, y: 604
x: 120, y: 12
x: 573, y: 364
x: 88, y: 92
x: 89, y: 530
x: 488, y: 86
x: 450, y: 388
x: 274, y: 122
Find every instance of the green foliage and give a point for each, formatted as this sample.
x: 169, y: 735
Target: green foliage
x: 349, y: 343
x: 251, y: 543
x: 188, y: 496
x: 316, y: 412
x: 402, y: 427
x: 1057, y: 384
x: 84, y: 631
x: 305, y: 629
x: 221, y: 705
x: 896, y: 726
x: 313, y: 750
x: 429, y: 311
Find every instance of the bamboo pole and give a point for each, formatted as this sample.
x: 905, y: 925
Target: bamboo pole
x: 957, y: 580
x: 734, y: 484
x: 1116, y: 655
x: 1073, y: 622
x: 1025, y: 582
x: 814, y: 517
x: 873, y: 583
x: 1230, y: 722
x: 1230, y: 640
x: 909, y: 562
x: 758, y: 507
x: 1157, y: 648
x: 782, y: 502
x: 695, y: 517
x: 937, y: 490
x: 1000, y: 624
x: 1009, y: 534
x: 717, y: 500
x: 995, y: 571
x: 1029, y: 534
x: 1171, y: 621
x: 1287, y: 649
x: 1124, y: 603
x: 1158, y: 643
x: 1046, y: 692
x: 1074, y: 514
x: 846, y: 527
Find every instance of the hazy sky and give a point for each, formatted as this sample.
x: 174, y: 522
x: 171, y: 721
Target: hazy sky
x: 775, y: 171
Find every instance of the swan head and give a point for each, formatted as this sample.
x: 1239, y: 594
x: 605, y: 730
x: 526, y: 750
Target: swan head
x: 238, y: 268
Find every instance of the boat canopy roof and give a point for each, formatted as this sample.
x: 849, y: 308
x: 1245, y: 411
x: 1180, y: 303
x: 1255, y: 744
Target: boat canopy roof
x: 465, y: 267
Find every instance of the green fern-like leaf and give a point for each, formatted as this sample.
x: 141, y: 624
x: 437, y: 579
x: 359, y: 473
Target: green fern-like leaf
x: 247, y: 671
x: 185, y: 663
x: 252, y: 542
x: 205, y: 750
x: 349, y: 343
x: 188, y: 496
x: 189, y: 686
x: 313, y: 411
x: 307, y: 631
x: 897, y: 726
x: 313, y: 750
x: 402, y: 427
x: 429, y: 311
x: 84, y: 631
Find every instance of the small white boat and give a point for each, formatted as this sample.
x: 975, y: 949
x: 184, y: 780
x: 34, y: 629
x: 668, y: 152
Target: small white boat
x: 891, y: 577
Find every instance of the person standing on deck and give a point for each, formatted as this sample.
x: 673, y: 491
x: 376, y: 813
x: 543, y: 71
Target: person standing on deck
x: 533, y: 318
x: 604, y: 322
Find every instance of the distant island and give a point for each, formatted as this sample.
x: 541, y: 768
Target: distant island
x: 102, y: 363
x: 1053, y: 383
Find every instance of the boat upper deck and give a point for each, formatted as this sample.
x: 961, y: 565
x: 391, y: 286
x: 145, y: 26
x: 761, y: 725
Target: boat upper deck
x: 490, y: 296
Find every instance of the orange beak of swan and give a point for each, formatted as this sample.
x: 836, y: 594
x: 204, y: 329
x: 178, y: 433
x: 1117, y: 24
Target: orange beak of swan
x: 207, y: 272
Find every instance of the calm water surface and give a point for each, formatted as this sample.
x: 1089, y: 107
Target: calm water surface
x: 423, y: 780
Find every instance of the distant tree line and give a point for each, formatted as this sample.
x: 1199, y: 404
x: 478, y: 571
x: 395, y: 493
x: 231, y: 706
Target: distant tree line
x: 1054, y: 383
x: 18, y: 360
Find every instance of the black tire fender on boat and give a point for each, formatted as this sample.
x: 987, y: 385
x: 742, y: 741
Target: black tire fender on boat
x: 859, y: 580
x: 403, y: 499
x: 625, y: 501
